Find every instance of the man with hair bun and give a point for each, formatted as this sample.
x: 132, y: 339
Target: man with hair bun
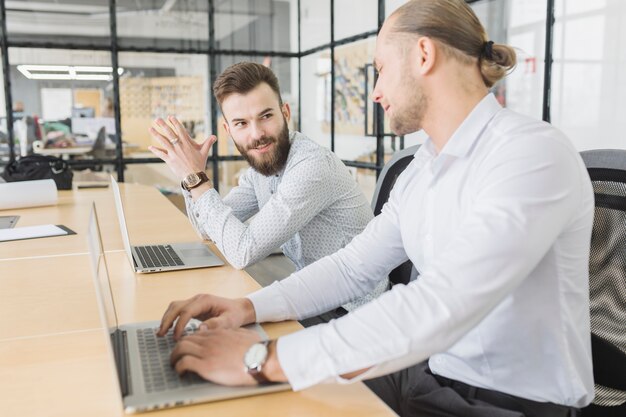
x: 495, y: 211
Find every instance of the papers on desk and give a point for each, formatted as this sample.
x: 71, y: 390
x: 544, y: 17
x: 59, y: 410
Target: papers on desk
x: 32, y: 232
x: 21, y: 194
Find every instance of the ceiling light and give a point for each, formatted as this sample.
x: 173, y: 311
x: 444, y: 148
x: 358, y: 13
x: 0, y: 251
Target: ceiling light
x: 66, y: 72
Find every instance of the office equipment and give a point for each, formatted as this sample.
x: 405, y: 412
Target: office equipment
x: 90, y: 125
x: 405, y: 272
x: 7, y: 222
x: 607, y: 281
x: 27, y: 194
x: 34, y: 232
x: 79, y: 112
x: 161, y: 257
x: 147, y: 380
x: 61, y: 365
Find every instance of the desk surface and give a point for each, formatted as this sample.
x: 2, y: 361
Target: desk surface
x: 54, y: 358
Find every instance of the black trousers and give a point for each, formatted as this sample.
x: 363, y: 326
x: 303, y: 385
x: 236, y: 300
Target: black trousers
x: 416, y: 392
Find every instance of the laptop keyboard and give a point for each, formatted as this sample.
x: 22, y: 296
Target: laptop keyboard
x: 158, y: 256
x: 155, y: 352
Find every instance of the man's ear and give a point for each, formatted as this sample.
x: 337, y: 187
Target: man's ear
x: 286, y: 110
x: 426, y: 51
x: 226, y: 126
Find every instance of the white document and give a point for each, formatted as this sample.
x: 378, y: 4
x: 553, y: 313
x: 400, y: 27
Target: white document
x: 30, y: 232
x: 21, y: 194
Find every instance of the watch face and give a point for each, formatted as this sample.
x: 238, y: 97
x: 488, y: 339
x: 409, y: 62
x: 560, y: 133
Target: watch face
x: 192, y: 179
x: 255, y: 356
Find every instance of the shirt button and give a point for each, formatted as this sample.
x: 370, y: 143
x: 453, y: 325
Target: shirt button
x: 197, y: 214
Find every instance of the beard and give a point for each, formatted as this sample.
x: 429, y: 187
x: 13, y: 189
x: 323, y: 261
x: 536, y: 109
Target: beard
x: 272, y: 162
x: 408, y: 116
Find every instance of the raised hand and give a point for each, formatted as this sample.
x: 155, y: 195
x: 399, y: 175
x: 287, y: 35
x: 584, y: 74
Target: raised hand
x: 178, y: 150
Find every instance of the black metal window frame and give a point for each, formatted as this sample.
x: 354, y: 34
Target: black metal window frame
x: 211, y: 52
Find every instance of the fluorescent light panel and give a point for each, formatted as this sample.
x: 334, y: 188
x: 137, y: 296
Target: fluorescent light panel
x: 67, y: 72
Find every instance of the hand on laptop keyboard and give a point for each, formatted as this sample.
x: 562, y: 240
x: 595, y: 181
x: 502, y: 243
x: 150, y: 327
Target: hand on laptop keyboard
x: 216, y: 312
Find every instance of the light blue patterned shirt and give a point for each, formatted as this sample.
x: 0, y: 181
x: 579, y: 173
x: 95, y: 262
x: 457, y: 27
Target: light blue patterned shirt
x: 311, y: 209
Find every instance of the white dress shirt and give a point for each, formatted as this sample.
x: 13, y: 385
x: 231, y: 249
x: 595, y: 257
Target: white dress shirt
x: 310, y: 209
x: 498, y: 223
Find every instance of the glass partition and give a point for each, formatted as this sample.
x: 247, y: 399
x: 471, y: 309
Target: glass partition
x: 59, y: 22
x: 181, y: 24
x: 315, y: 91
x: 588, y: 86
x: 314, y: 23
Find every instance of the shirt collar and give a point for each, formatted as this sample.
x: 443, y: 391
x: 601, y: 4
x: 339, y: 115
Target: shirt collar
x: 469, y: 131
x: 463, y: 139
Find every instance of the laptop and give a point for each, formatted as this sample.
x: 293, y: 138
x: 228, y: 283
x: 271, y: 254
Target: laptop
x: 162, y: 257
x: 146, y: 378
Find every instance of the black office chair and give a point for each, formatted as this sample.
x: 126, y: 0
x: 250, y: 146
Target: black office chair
x: 607, y: 282
x: 403, y: 273
x: 98, y: 149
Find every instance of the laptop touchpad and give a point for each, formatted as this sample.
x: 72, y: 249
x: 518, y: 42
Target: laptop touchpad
x: 193, y: 253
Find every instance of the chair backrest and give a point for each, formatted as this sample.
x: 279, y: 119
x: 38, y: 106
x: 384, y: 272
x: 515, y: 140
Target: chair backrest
x: 387, y: 179
x: 607, y: 274
x: 98, y: 150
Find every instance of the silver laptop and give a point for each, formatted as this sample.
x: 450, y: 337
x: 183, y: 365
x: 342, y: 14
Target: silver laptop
x: 147, y: 380
x: 162, y: 257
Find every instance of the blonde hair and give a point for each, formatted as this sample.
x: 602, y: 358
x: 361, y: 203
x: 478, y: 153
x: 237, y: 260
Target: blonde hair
x: 455, y: 26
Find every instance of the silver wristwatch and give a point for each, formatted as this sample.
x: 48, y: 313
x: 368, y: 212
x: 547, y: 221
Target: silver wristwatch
x: 255, y: 358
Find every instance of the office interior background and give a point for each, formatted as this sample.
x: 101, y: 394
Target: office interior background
x: 73, y: 67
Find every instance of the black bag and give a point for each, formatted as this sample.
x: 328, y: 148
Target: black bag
x: 40, y: 167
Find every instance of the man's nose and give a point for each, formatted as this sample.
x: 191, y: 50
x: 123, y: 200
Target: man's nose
x: 376, y: 93
x: 256, y: 131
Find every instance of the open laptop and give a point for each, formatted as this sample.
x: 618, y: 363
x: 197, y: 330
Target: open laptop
x: 162, y: 257
x: 147, y: 380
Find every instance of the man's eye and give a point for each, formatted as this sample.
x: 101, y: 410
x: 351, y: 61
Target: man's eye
x: 266, y: 116
x: 240, y: 124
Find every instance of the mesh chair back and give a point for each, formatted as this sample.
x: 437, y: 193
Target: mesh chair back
x: 607, y: 276
x: 387, y: 179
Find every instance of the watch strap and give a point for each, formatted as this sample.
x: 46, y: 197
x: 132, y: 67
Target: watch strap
x: 203, y: 178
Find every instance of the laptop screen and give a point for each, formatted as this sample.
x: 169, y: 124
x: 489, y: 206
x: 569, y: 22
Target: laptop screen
x: 100, y: 273
x: 122, y: 219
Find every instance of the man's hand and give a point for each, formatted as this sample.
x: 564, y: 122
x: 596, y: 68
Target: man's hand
x: 216, y: 312
x: 216, y: 355
x: 178, y: 150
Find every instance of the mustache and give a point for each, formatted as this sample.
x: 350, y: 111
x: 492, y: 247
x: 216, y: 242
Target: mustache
x: 265, y: 140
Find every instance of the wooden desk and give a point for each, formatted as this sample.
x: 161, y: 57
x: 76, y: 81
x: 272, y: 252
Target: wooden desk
x: 64, y: 152
x: 45, y: 296
x: 54, y: 357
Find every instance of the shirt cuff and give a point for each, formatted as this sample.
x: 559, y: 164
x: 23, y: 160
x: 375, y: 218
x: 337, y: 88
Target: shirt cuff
x: 269, y: 304
x: 301, y: 373
x: 202, y: 206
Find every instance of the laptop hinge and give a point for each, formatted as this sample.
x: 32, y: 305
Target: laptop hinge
x: 120, y: 349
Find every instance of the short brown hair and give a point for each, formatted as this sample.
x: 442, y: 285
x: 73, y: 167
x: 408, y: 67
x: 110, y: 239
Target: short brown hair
x: 454, y: 24
x: 242, y: 78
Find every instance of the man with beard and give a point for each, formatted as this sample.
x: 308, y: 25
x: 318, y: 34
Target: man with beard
x: 495, y: 211
x: 301, y: 195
